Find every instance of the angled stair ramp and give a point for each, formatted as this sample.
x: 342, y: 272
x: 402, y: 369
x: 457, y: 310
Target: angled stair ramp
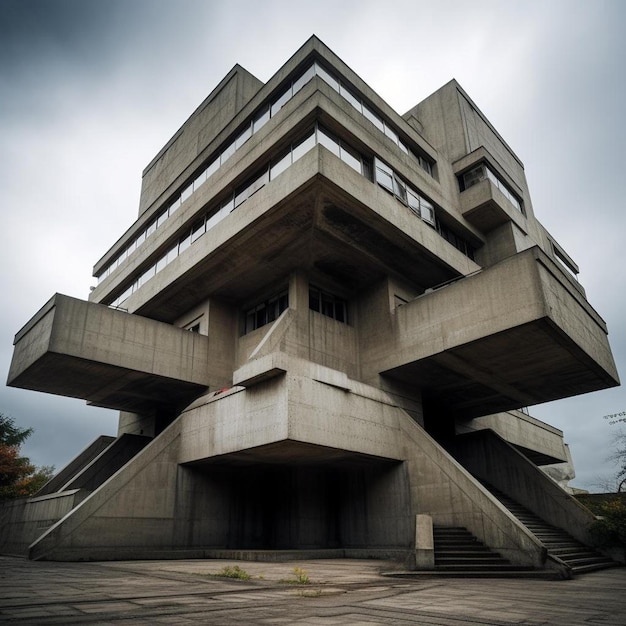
x: 459, y: 553
x: 559, y: 544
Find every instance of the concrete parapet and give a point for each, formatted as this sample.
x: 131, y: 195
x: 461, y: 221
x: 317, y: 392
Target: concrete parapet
x: 492, y: 459
x: 108, y: 357
x: 539, y: 441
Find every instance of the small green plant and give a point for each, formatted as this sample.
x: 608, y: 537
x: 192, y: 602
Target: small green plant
x: 300, y: 577
x: 233, y: 571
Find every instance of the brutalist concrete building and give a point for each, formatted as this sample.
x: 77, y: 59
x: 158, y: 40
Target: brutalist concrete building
x: 321, y: 333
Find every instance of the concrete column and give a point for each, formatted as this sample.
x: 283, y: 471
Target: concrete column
x: 424, y: 542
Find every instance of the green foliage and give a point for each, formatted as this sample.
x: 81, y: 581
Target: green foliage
x: 233, y: 571
x: 10, y: 434
x: 300, y: 577
x: 610, y: 529
x: 18, y: 476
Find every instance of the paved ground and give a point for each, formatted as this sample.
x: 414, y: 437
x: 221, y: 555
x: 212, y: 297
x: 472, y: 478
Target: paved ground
x: 340, y: 593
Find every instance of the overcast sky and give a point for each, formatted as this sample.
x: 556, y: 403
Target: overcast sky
x: 90, y: 90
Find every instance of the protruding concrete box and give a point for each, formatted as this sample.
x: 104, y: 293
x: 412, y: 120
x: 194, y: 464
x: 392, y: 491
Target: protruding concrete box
x: 515, y: 334
x: 109, y: 358
x: 486, y: 207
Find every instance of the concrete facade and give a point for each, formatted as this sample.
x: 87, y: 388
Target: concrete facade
x: 324, y: 320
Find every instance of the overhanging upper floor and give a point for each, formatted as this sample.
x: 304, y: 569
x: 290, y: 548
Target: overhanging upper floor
x: 109, y: 358
x: 515, y: 334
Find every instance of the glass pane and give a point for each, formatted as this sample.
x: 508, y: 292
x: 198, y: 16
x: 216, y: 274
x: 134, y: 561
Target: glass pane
x: 151, y: 228
x: 260, y: 317
x: 141, y: 237
x: 399, y: 188
x: 283, y: 302
x: 161, y: 219
x: 348, y: 157
x: 413, y: 201
x: 328, y: 305
x: 227, y: 206
x: 261, y: 119
x: 340, y: 311
x: 161, y: 263
x: 314, y: 300
x: 280, y: 102
x: 403, y: 147
x: 391, y: 133
x: 183, y: 244
x: 428, y: 211
x: 303, y: 80
x: 259, y: 182
x: 186, y: 193
x: 243, y: 137
x: 326, y: 77
x: 272, y: 310
x: 327, y: 141
x: 425, y: 165
x: 241, y: 196
x: 304, y: 146
x: 384, y: 178
x: 213, y: 167
x: 372, y: 117
x: 227, y: 153
x: 353, y: 100
x: 197, y: 230
x: 175, y: 205
x: 146, y: 276
x: 172, y: 253
x: 249, y: 321
x: 473, y: 176
x: 199, y: 180
x: 280, y: 166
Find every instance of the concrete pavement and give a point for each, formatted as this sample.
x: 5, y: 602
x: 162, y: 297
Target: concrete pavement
x: 340, y: 592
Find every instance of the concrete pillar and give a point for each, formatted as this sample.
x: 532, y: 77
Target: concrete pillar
x: 424, y: 542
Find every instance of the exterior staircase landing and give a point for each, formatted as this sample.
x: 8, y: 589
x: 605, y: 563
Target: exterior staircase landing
x: 576, y: 555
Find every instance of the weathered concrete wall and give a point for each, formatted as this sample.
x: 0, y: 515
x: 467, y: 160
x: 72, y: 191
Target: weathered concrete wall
x: 520, y: 430
x: 134, y: 509
x: 61, y: 478
x: 107, y: 463
x: 108, y: 357
x: 202, y: 128
x: 493, y: 460
x: 332, y: 475
x: 22, y: 521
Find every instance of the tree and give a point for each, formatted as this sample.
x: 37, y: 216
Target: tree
x: 18, y: 476
x: 619, y: 449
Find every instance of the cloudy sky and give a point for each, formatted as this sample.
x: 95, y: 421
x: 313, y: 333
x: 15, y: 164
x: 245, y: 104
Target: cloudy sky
x: 90, y: 90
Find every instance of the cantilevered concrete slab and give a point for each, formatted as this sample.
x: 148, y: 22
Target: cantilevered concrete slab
x: 515, y: 334
x: 108, y: 357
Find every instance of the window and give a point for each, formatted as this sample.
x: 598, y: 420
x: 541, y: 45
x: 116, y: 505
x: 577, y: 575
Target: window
x: 265, y: 312
x: 260, y: 118
x: 328, y: 304
x: 483, y: 172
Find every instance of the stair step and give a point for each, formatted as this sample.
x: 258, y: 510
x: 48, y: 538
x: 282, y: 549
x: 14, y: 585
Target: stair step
x: 457, y: 560
x: 465, y: 567
x: 583, y: 569
x: 557, y: 541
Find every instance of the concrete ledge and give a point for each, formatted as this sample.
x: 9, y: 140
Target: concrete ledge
x: 109, y: 358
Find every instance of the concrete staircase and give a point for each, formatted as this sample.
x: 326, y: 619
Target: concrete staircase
x: 459, y: 553
x: 579, y: 557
